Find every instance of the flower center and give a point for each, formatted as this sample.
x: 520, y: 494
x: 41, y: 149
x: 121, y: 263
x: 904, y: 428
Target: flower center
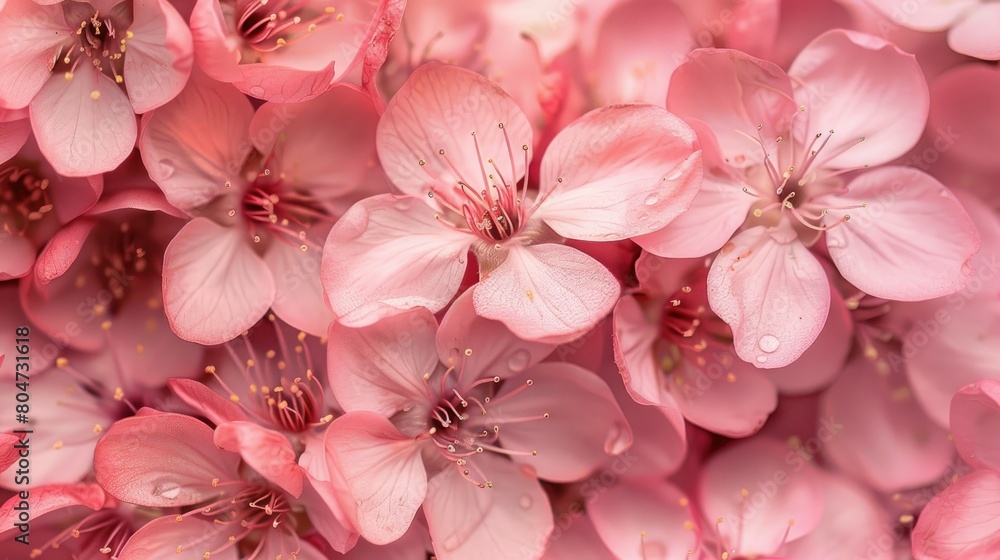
x: 25, y: 199
x: 281, y: 388
x: 495, y: 211
x: 256, y: 512
x: 269, y: 206
x: 119, y: 258
x: 268, y: 25
x: 101, y: 41
x: 467, y: 420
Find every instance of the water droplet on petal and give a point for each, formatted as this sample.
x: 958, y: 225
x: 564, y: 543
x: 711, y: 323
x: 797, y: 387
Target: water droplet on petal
x: 768, y: 343
x: 257, y: 91
x: 518, y: 361
x: 451, y: 543
x: 525, y: 501
x: 618, y: 440
x: 761, y: 359
x: 169, y: 490
x: 652, y: 199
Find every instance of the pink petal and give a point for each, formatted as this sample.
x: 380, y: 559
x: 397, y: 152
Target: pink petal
x: 845, y: 77
x: 853, y: 525
x: 466, y: 521
x: 206, y: 401
x: 437, y: 109
x: 8, y: 455
x: 773, y: 293
x: 975, y: 35
x: 929, y: 15
x: 298, y: 296
x: 61, y: 252
x: 583, y: 429
x: 378, y: 48
x: 380, y: 367
x: 957, y: 112
x: 14, y: 131
x: 197, y: 144
x: 883, y: 437
x: 731, y: 93
x: 495, y: 350
x: 574, y: 538
x: 160, y: 56
x: 216, y: 54
x: 388, y: 254
x: 726, y: 395
x: 954, y: 346
x: 975, y: 423
x: 384, y: 472
x: 913, y: 241
x: 643, y: 173
x: 43, y: 500
x: 327, y: 515
x: 633, y: 343
x: 162, y: 538
x: 547, y: 292
x: 638, y: 46
x: 17, y: 255
x: 32, y: 38
x: 648, y: 520
x: 72, y: 119
x: 163, y: 460
x: 781, y: 486
x: 963, y: 521
x: 720, y: 200
x: 214, y: 285
x: 265, y: 451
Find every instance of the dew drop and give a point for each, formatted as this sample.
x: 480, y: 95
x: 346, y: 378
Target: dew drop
x: 257, y: 91
x: 618, y: 439
x: 525, y: 501
x: 169, y: 490
x: 518, y: 361
x: 761, y: 359
x: 768, y: 343
x: 651, y: 200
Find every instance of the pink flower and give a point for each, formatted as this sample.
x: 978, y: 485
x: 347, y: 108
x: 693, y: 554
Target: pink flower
x: 168, y: 460
x: 462, y: 418
x: 84, y: 71
x: 262, y: 190
x: 971, y: 24
x: 616, y: 173
x: 779, y: 145
x: 669, y: 350
x: 288, y: 51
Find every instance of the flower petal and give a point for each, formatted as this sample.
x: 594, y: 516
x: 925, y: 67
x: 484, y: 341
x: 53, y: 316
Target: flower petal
x: 466, y: 521
x: 388, y: 254
x: 162, y: 460
x: 380, y: 367
x: 649, y: 519
x: 298, y: 296
x: 975, y: 423
x: 265, y: 451
x: 773, y: 293
x: 207, y: 402
x: 885, y: 438
x: 963, y: 521
x: 214, y: 285
x: 31, y: 41
x: 160, y: 56
x: 912, y: 241
x: 583, y: 428
x: 84, y: 125
x: 547, y: 292
x: 845, y: 78
x: 197, y: 144
x: 618, y: 172
x: 437, y: 109
x: 976, y: 34
x: 191, y: 539
x: 384, y: 472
